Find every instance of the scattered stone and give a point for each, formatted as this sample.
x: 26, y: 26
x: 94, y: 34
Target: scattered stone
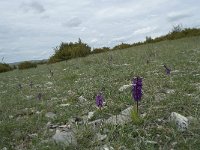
x: 11, y: 116
x: 29, y: 97
x: 180, y: 121
x: 50, y: 115
x: 82, y: 99
x: 101, y: 137
x: 143, y: 115
x: 65, y: 126
x: 65, y: 138
x: 38, y: 112
x: 54, y: 98
x: 175, y: 71
x: 34, y: 135
x: 104, y: 147
x: 122, y: 148
x: 51, y: 126
x: 170, y: 91
x: 121, y: 119
x: 160, y: 97
x: 5, y: 148
x: 96, y: 123
x: 49, y: 83
x: 64, y: 105
x: 71, y: 93
x: 151, y: 142
x: 124, y: 87
x: 90, y: 115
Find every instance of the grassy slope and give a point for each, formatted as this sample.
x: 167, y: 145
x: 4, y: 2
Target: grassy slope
x: 86, y: 76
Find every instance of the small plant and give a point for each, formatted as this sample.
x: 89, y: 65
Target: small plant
x: 19, y: 86
x: 167, y: 70
x: 31, y: 84
x: 135, y: 117
x: 39, y: 96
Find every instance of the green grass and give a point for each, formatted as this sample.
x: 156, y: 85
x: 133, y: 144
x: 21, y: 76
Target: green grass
x: 21, y: 115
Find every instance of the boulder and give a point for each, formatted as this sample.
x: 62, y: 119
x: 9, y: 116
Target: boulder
x: 65, y: 137
x: 180, y: 121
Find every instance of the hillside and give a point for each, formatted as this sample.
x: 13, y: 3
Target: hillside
x: 51, y: 100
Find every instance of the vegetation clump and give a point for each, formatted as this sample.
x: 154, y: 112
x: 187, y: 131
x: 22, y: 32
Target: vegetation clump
x: 26, y: 65
x: 70, y: 50
x: 5, y: 67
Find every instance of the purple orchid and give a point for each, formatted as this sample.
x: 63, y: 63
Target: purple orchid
x: 137, y: 90
x: 99, y: 100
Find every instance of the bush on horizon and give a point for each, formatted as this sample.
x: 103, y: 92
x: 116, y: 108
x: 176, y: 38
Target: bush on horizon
x: 5, y: 67
x: 26, y: 65
x: 70, y: 50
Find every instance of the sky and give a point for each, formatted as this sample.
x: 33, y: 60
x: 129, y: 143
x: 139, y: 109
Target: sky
x: 31, y: 29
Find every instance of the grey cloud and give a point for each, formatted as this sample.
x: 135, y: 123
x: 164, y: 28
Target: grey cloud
x: 73, y: 22
x: 34, y: 6
x: 176, y: 16
x: 97, y: 22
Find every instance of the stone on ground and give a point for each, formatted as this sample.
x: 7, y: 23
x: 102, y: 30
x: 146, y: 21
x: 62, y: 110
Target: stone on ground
x: 180, y: 121
x: 65, y: 137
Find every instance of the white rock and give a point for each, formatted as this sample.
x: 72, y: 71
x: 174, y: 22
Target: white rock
x: 50, y: 115
x: 49, y: 83
x: 170, y: 91
x: 33, y: 135
x: 29, y: 97
x: 101, y: 137
x: 104, y: 147
x: 64, y: 105
x: 96, y: 123
x: 11, y: 116
x: 151, y: 142
x: 65, y: 138
x: 181, y: 121
x: 82, y: 99
x: 124, y: 87
x: 5, y: 148
x: 121, y: 119
x: 90, y: 115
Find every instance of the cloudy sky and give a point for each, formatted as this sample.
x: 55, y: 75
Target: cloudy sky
x: 30, y: 29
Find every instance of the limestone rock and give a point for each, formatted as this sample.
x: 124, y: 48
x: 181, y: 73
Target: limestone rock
x: 180, y: 121
x: 101, y: 137
x: 124, y: 87
x: 50, y: 115
x: 82, y: 99
x: 90, y: 115
x: 121, y: 119
x: 65, y: 138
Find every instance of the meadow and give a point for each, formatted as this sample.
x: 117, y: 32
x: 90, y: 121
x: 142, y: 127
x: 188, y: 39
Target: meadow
x: 67, y: 90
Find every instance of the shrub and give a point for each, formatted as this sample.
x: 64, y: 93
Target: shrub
x: 121, y: 46
x: 70, y: 50
x: 100, y: 50
x: 5, y: 67
x: 27, y: 65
